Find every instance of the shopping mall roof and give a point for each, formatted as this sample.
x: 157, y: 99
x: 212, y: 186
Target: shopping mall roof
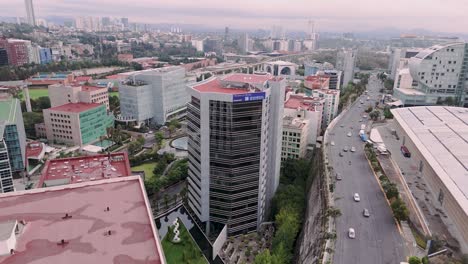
x: 106, y: 221
x: 441, y: 135
x: 75, y: 107
x: 87, y: 168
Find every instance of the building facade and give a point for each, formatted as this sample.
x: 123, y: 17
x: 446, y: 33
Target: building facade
x: 280, y: 68
x: 61, y: 94
x: 3, y: 57
x: 155, y: 95
x: 18, y: 50
x: 330, y: 108
x: 30, y: 12
x: 235, y: 128
x: 77, y: 123
x: 346, y: 62
x: 12, y: 133
x: 294, y: 141
x: 6, y: 176
x: 440, y: 74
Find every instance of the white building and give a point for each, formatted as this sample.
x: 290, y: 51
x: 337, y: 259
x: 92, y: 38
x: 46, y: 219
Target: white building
x: 310, y: 44
x: 235, y: 128
x: 346, y: 62
x: 398, y: 57
x: 198, y: 44
x: 30, y: 12
x: 154, y: 95
x: 440, y: 75
x: 244, y: 43
x: 294, y: 141
x: 330, y: 109
x: 280, y: 68
x: 61, y: 94
x: 404, y: 80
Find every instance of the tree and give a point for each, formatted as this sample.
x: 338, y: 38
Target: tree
x: 159, y: 136
x: 387, y: 113
x: 375, y: 115
x: 400, y: 211
x: 114, y: 103
x: 391, y: 190
x: 30, y: 119
x: 414, y: 260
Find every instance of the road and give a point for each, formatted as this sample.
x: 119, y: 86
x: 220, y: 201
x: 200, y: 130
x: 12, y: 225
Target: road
x: 378, y: 239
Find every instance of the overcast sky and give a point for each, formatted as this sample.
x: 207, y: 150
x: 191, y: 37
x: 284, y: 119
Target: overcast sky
x: 329, y: 15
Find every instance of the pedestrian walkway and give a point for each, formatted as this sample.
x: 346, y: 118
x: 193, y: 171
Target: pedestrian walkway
x: 410, y: 241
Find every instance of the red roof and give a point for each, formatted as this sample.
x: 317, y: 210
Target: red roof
x: 296, y: 101
x: 114, y: 77
x: 247, y: 78
x: 34, y: 149
x: 91, y: 88
x: 215, y: 86
x: 83, y: 78
x: 107, y: 221
x: 88, y: 168
x: 75, y: 107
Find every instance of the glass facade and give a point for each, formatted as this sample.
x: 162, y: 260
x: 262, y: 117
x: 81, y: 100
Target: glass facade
x: 6, y: 178
x: 13, y: 145
x: 93, y: 124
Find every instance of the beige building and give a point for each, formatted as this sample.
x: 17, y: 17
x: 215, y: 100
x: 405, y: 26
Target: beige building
x: 294, y: 141
x: 61, y: 94
x: 76, y: 123
x: 436, y: 137
x: 330, y: 108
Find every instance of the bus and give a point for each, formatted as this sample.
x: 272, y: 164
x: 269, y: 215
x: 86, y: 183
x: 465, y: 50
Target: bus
x: 405, y: 151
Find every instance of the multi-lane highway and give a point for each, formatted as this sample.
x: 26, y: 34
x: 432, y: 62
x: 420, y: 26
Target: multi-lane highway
x: 378, y: 239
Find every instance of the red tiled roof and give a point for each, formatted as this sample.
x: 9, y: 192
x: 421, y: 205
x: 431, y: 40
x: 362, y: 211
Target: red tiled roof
x: 33, y: 149
x: 215, y: 86
x: 106, y: 221
x: 74, y: 107
x: 304, y: 102
x: 88, y: 168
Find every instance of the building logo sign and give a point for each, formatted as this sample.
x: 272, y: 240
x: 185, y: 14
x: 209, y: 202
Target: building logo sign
x: 248, y: 97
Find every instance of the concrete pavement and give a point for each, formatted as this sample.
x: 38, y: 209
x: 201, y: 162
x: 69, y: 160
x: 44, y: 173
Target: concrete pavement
x: 377, y: 238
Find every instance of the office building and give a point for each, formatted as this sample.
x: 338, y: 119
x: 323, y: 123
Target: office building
x: 18, y: 50
x: 31, y: 17
x: 197, y: 44
x: 440, y: 75
x: 155, y: 95
x: 330, y: 108
x: 212, y: 45
x: 46, y: 79
x: 312, y: 67
x: 6, y: 176
x: 81, y: 169
x: 235, y: 129
x: 404, y: 80
x: 346, y: 61
x: 3, y: 57
x: 61, y: 94
x: 124, y: 21
x: 12, y: 132
x: 280, y: 68
x: 77, y: 124
x: 244, y: 43
x: 280, y: 45
x: 399, y: 56
x: 294, y: 142
x: 436, y: 138
x: 335, y: 79
x: 45, y: 55
x: 101, y: 221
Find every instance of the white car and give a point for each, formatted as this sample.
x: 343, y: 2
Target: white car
x: 364, y: 116
x: 353, y: 149
x: 351, y: 233
x: 366, y: 212
x: 349, y: 134
x: 332, y: 143
x: 356, y: 197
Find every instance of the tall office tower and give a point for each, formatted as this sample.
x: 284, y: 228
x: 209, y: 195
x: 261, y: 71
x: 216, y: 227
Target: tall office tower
x: 30, y: 12
x: 244, y: 43
x: 440, y: 76
x: 12, y: 133
x: 124, y: 21
x: 398, y: 58
x: 310, y: 29
x: 235, y: 130
x: 226, y: 33
x: 155, y: 95
x: 346, y: 62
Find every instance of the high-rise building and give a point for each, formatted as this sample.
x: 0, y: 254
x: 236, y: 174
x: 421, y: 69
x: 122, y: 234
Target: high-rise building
x: 12, y: 133
x: 3, y: 57
x: 330, y: 108
x: 399, y: 56
x: 346, y: 61
x: 226, y: 33
x: 235, y: 129
x: 30, y: 12
x: 124, y: 21
x: 155, y: 95
x: 6, y: 176
x: 18, y: 50
x: 244, y: 43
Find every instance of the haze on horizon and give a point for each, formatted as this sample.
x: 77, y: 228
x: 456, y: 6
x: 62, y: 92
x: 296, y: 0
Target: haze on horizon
x: 333, y: 15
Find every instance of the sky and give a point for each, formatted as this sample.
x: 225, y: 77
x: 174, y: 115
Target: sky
x: 329, y: 15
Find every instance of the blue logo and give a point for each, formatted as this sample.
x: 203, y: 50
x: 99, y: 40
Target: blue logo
x: 248, y: 97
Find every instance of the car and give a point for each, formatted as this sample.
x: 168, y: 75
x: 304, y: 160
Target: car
x: 349, y: 134
x: 360, y: 120
x: 356, y: 197
x: 332, y: 143
x: 341, y: 125
x: 365, y: 212
x: 351, y: 233
x: 353, y: 149
x: 345, y: 149
x: 364, y: 116
x: 151, y: 132
x: 338, y: 177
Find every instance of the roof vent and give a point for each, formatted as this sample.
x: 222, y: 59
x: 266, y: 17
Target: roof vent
x: 62, y: 243
x: 67, y: 216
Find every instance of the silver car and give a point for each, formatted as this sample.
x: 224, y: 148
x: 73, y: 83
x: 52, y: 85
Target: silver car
x: 345, y: 149
x: 365, y: 212
x: 351, y: 233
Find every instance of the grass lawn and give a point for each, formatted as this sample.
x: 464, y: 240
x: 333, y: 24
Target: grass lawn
x: 36, y: 93
x: 113, y: 94
x: 186, y: 251
x: 147, y: 168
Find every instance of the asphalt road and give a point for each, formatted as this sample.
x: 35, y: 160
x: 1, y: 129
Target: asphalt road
x: 378, y: 239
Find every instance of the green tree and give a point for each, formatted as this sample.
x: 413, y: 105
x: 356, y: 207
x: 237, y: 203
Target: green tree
x: 414, y: 260
x: 158, y: 136
x: 391, y: 190
x: 30, y: 119
x: 375, y: 115
x: 114, y: 103
x: 400, y: 211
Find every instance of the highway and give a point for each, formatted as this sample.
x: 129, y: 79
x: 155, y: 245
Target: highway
x: 378, y: 239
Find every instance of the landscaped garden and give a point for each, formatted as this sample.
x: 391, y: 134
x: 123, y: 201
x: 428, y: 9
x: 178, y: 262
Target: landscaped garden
x: 182, y: 250
x: 147, y: 168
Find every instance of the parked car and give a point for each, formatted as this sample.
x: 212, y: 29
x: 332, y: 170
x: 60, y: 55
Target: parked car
x: 405, y: 151
x: 351, y: 233
x: 356, y: 197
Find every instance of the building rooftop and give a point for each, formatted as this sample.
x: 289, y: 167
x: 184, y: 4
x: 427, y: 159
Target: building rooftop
x: 248, y: 78
x: 87, y: 88
x: 237, y: 83
x: 8, y: 108
x: 106, y: 221
x: 35, y: 150
x: 75, y: 107
x: 441, y: 134
x: 81, y: 169
x: 83, y: 78
x: 302, y: 101
x: 410, y: 91
x: 214, y: 85
x: 294, y: 122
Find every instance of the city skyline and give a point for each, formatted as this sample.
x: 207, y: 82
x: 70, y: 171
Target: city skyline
x: 367, y: 15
